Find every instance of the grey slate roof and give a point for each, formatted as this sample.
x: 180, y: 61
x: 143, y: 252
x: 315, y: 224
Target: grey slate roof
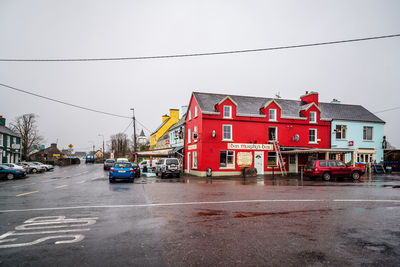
x: 249, y: 105
x: 8, y: 131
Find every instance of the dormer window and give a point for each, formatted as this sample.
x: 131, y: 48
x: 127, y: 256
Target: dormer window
x: 195, y: 111
x: 272, y: 115
x: 313, y: 117
x: 228, y: 112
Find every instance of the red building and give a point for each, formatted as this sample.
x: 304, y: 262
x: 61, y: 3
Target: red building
x: 227, y: 132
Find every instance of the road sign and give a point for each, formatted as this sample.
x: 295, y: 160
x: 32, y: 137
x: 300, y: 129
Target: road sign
x: 70, y: 146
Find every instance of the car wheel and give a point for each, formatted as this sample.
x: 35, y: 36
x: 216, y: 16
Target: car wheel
x: 34, y: 170
x: 10, y: 176
x: 356, y: 175
x: 111, y: 181
x: 162, y: 175
x: 326, y: 176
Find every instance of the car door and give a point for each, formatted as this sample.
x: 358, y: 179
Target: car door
x: 343, y: 169
x: 333, y: 168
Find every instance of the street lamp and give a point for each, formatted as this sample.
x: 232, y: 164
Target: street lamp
x: 103, y: 145
x: 93, y: 146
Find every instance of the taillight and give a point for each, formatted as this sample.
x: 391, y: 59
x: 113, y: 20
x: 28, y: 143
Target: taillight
x: 112, y: 169
x: 131, y: 170
x: 316, y: 169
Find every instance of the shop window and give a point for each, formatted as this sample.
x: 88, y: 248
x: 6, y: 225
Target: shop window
x: 228, y: 112
x: 272, y: 159
x: 194, y: 160
x: 341, y: 132
x: 227, y: 159
x: 313, y: 117
x: 272, y: 115
x: 332, y: 156
x: 367, y: 133
x: 227, y: 132
x: 312, y: 136
x: 272, y: 133
x: 292, y: 159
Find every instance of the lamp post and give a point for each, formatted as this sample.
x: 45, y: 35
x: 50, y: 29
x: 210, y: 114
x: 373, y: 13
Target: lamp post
x: 93, y: 146
x: 103, y: 145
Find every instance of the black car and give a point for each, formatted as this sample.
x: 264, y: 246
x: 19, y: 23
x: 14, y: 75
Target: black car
x: 108, y: 163
x: 136, y: 169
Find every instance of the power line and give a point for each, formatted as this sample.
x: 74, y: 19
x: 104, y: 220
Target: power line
x: 390, y: 109
x: 202, y: 54
x: 127, y: 127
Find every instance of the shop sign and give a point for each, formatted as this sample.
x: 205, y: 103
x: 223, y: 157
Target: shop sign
x: 244, y: 159
x: 192, y: 147
x: 15, y: 146
x: 250, y: 146
x: 351, y: 143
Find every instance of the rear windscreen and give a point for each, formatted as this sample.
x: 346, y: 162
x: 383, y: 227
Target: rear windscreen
x: 122, y: 165
x: 109, y: 161
x: 310, y: 165
x: 172, y: 161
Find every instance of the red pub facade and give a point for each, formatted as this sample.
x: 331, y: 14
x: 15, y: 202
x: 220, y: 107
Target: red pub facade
x: 227, y: 132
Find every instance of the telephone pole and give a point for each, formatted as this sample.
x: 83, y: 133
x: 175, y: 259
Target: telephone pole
x: 134, y: 130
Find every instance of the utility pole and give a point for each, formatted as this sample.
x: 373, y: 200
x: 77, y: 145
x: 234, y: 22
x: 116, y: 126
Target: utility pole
x: 134, y: 130
x: 103, y: 145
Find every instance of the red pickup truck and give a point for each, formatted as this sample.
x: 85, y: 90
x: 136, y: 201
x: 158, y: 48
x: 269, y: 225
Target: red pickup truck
x: 328, y: 168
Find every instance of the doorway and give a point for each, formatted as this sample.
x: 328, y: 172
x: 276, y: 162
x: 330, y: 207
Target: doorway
x: 259, y: 161
x: 293, y: 163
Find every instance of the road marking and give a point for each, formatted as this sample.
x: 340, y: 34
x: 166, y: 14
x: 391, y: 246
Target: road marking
x: 209, y: 202
x: 94, y: 179
x: 28, y: 193
x: 45, y: 223
x: 81, y: 182
x: 60, y: 186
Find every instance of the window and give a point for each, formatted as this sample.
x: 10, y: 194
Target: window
x: 226, y: 159
x: 189, y: 136
x: 313, y: 117
x: 367, y: 133
x: 195, y: 134
x: 8, y: 144
x: 272, y: 114
x: 272, y: 159
x: 272, y: 133
x: 1, y: 140
x: 341, y: 131
x: 190, y: 114
x: 227, y: 132
x: 227, y: 112
x: 194, y: 160
x: 340, y: 164
x: 312, y: 136
x: 195, y: 111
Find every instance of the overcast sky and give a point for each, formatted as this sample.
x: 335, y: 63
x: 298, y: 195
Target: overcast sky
x: 365, y: 73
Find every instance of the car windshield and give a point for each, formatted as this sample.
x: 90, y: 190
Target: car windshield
x: 134, y: 165
x: 310, y: 165
x: 110, y: 161
x: 122, y: 165
x: 172, y: 161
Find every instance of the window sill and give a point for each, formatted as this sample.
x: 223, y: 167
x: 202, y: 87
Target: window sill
x: 228, y: 118
x: 313, y: 122
x: 313, y: 143
x: 273, y: 120
x: 227, y: 168
x: 369, y: 141
x: 227, y: 140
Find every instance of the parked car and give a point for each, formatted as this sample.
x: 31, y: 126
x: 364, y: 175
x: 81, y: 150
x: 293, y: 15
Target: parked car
x: 40, y: 166
x: 15, y: 166
x: 9, y: 173
x: 32, y: 168
x: 145, y: 165
x: 108, y: 164
x: 47, y: 167
x: 331, y: 168
x: 122, y: 160
x: 136, y: 169
x: 122, y: 170
x: 168, y: 166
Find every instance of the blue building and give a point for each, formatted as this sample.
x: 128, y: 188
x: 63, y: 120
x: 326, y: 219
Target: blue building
x: 354, y: 127
x: 10, y: 144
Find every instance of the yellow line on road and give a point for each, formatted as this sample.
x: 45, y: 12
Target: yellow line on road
x: 24, y: 194
x: 94, y: 179
x: 61, y: 186
x: 81, y: 182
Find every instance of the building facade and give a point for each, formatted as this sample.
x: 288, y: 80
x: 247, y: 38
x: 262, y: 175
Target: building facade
x: 162, y: 130
x: 227, y: 132
x: 10, y: 144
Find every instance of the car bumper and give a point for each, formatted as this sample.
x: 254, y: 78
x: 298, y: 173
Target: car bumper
x: 117, y: 175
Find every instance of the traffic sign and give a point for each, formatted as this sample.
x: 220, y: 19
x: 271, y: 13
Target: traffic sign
x: 70, y: 146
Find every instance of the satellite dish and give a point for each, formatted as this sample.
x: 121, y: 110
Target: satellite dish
x: 296, y: 138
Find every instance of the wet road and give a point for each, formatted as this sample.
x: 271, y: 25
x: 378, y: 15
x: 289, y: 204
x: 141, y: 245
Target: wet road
x: 74, y: 216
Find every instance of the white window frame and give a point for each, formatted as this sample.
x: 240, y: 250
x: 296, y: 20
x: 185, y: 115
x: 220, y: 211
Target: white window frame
x: 274, y: 114
x: 276, y: 133
x: 195, y: 131
x: 195, y: 112
x: 189, y: 136
x: 315, y: 136
x: 1, y: 139
x: 231, y: 131
x: 372, y: 133
x: 190, y: 115
x: 8, y: 141
x: 315, y: 117
x: 341, y: 132
x: 232, y: 166
x: 230, y: 112
x: 194, y: 160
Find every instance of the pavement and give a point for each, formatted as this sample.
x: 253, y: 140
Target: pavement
x: 74, y: 216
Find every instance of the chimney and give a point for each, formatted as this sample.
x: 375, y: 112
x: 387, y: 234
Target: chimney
x: 335, y: 101
x: 165, y: 117
x: 184, y: 110
x: 2, y: 121
x: 309, y: 97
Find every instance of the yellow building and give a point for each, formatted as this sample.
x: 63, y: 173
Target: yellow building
x: 167, y: 122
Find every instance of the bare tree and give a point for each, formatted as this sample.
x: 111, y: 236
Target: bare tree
x: 26, y: 127
x: 120, y: 144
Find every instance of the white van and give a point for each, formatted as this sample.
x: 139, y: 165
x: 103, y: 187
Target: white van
x: 122, y: 160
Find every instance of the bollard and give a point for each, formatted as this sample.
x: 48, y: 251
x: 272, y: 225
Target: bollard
x: 273, y: 174
x: 301, y: 174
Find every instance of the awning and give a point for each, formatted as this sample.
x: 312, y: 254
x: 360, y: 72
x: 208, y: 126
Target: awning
x: 178, y: 148
x: 155, y: 153
x: 318, y: 150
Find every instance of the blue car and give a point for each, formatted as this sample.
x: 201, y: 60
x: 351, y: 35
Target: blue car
x: 9, y: 173
x: 122, y: 170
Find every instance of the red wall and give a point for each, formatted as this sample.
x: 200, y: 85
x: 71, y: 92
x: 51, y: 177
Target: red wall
x: 249, y: 129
